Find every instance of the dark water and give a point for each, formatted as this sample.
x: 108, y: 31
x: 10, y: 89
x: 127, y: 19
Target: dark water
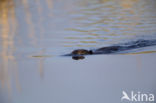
x: 35, y: 33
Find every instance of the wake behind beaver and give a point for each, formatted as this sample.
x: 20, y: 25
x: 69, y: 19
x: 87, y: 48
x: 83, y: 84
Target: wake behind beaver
x: 80, y: 53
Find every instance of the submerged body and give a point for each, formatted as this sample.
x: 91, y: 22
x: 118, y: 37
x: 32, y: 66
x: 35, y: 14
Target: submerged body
x: 79, y: 53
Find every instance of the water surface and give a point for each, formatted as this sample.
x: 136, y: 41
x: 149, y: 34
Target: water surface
x: 35, y: 33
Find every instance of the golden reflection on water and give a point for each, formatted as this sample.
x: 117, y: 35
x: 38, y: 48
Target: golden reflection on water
x: 41, y: 63
x: 116, y: 20
x: 8, y: 31
x: 144, y: 52
x: 29, y: 21
x: 128, y: 6
x: 8, y: 25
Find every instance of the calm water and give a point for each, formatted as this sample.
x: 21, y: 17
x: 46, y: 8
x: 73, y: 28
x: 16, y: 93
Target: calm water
x: 35, y: 33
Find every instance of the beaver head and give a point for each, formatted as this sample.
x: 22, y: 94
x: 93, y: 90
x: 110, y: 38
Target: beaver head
x: 82, y: 52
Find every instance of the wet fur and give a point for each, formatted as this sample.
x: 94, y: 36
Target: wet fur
x: 79, y: 53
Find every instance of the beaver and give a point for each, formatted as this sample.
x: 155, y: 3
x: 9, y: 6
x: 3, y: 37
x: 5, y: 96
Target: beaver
x: 80, y: 53
x: 102, y: 50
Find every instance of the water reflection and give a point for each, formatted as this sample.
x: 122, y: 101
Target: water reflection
x: 41, y: 64
x: 32, y: 30
x: 110, y: 21
x: 143, y: 52
x: 30, y: 23
x: 11, y: 37
x: 8, y: 24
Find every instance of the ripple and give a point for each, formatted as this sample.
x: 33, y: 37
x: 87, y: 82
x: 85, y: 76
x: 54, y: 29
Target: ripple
x: 112, y: 20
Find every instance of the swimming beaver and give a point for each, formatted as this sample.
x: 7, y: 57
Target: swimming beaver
x: 79, y: 53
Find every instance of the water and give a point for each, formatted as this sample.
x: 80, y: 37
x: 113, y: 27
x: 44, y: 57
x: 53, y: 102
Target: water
x: 35, y: 33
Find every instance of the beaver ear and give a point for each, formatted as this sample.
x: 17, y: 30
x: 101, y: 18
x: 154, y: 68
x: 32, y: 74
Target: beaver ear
x: 90, y: 52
